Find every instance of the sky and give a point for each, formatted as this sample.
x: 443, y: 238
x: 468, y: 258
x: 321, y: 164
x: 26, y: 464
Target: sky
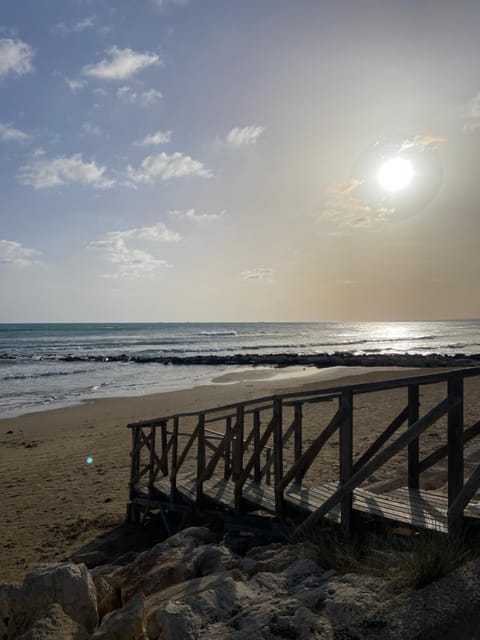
x: 216, y: 160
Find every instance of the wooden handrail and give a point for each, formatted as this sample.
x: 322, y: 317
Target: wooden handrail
x: 370, y: 467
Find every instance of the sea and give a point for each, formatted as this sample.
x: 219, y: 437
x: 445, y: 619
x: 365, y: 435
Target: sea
x: 36, y: 374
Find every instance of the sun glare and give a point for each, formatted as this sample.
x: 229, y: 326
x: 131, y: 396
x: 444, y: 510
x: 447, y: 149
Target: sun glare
x: 395, y: 174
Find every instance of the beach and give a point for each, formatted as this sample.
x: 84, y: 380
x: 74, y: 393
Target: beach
x: 54, y: 502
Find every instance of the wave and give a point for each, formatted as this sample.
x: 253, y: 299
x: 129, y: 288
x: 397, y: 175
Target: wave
x: 218, y: 333
x: 44, y: 374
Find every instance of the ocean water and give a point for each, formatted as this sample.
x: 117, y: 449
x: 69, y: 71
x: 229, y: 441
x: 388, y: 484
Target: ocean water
x: 35, y: 373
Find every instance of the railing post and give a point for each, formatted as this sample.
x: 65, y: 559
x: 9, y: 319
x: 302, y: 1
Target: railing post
x: 238, y: 456
x: 151, y: 468
x: 256, y: 446
x: 228, y: 449
x: 455, y: 445
x: 346, y: 458
x: 133, y: 511
x: 298, y: 438
x: 173, y: 477
x: 278, y: 455
x: 268, y: 473
x: 164, y: 436
x: 413, y: 447
x: 200, y: 457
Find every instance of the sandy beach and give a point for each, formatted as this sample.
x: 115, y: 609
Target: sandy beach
x: 53, y: 502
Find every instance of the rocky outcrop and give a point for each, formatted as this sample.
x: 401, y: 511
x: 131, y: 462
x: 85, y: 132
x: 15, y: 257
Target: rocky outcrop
x: 193, y: 587
x: 66, y: 584
x: 56, y: 625
x: 127, y: 623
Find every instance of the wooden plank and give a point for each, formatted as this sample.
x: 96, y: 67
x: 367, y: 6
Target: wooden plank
x: 201, y: 457
x: 238, y: 457
x: 346, y: 458
x: 302, y: 465
x: 413, y: 447
x: 455, y: 449
x: 187, y: 448
x: 174, y: 440
x: 219, y: 451
x: 228, y: 448
x: 457, y: 507
x: 362, y: 474
x: 442, y: 452
x: 250, y: 463
x: 298, y: 439
x: 151, y: 445
x: 278, y: 455
x: 256, y: 446
x: 382, y: 439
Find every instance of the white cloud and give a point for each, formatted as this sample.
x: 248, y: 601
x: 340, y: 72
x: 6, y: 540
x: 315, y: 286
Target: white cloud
x: 259, y: 273
x: 75, y: 84
x: 41, y: 173
x: 239, y: 137
x: 15, y: 57
x: 200, y: 218
x: 121, y: 64
x: 134, y: 261
x: 472, y: 114
x: 143, y: 98
x: 91, y: 129
x: 8, y: 132
x: 15, y: 254
x: 152, y: 139
x: 166, y: 166
x: 89, y: 22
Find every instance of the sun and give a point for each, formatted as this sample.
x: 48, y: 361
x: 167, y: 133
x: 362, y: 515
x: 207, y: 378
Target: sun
x: 395, y: 174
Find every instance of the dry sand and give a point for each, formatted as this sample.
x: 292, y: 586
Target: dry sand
x: 53, y: 502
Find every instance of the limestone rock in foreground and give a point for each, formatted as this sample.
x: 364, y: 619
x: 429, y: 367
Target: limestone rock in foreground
x: 127, y: 623
x: 67, y: 584
x: 56, y: 625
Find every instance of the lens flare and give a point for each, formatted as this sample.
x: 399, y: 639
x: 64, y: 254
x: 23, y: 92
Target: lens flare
x: 89, y: 460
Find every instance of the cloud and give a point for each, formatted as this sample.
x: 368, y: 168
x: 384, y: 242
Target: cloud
x: 90, y: 22
x: 15, y: 57
x: 162, y: 4
x: 121, y: 64
x: 346, y: 210
x: 41, y: 173
x: 199, y: 218
x: 164, y: 167
x: 75, y: 84
x: 143, y: 98
x: 8, y: 132
x: 91, y: 129
x: 152, y: 139
x: 13, y: 253
x: 423, y: 141
x: 345, y: 186
x: 239, y: 137
x: 259, y: 273
x: 472, y: 114
x: 134, y: 261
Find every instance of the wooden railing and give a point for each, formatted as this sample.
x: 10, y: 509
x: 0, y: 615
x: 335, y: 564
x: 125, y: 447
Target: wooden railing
x: 263, y: 438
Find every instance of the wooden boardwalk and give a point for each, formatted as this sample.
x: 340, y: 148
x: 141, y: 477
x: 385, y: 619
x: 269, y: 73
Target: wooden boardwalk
x: 256, y: 462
